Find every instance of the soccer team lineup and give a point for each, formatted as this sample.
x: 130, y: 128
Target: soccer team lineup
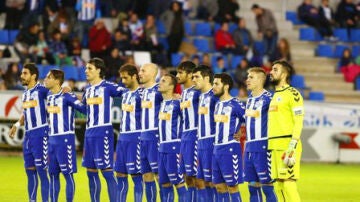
x: 179, y: 135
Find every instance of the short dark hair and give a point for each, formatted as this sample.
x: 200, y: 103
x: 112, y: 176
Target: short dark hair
x: 173, y: 79
x: 33, y: 69
x: 58, y: 75
x: 255, y: 6
x: 225, y: 79
x: 130, y: 69
x: 187, y: 66
x: 205, y: 71
x: 287, y: 67
x: 99, y: 64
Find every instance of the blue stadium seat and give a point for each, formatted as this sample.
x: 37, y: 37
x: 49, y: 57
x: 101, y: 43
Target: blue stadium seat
x: 259, y: 48
x: 355, y: 51
x: 203, y: 29
x: 71, y: 72
x: 44, y: 70
x: 341, y: 34
x: 236, y: 60
x: 4, y: 36
x: 232, y: 27
x: 163, y: 41
x: 357, y: 83
x: 316, y: 96
x: 339, y: 49
x: 298, y: 81
x: 234, y: 92
x: 355, y: 35
x: 188, y: 28
x: 325, y: 50
x: 82, y: 76
x: 309, y: 34
x: 202, y: 45
x: 160, y: 27
x: 292, y: 17
x: 176, y: 59
x: 13, y: 35
x: 216, y: 55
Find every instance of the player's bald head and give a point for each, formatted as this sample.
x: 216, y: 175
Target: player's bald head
x: 148, y: 72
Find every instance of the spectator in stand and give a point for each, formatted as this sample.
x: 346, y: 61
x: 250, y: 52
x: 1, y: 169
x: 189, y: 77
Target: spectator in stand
x: 282, y: 51
x: 207, y: 9
x: 174, y: 24
x: 58, y: 49
x: 61, y: 23
x: 223, y: 40
x: 33, y: 10
x: 327, y: 13
x: 100, y: 40
x: 347, y: 14
x: 74, y: 51
x: 227, y: 11
x: 241, y: 72
x: 195, y: 59
x: 14, y: 10
x: 309, y: 14
x: 242, y: 37
x: 124, y: 28
x: 137, y: 32
x: 113, y: 63
x: 220, y: 65
x: 348, y: 66
x: 267, y: 29
x: 26, y: 38
x: 12, y: 77
x: 42, y: 54
x: 206, y: 59
x: 243, y: 93
x: 151, y: 34
x: 121, y: 41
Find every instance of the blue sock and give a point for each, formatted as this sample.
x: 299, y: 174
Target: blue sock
x: 191, y: 194
x: 221, y: 197
x: 123, y: 187
x: 235, y: 197
x: 138, y: 187
x: 269, y: 193
x: 202, y: 195
x: 168, y: 194
x: 255, y: 194
x: 150, y: 189
x: 54, y: 187
x: 211, y: 194
x: 182, y: 193
x: 44, y: 184
x: 111, y: 184
x: 32, y: 184
x: 70, y: 187
x: 94, y: 185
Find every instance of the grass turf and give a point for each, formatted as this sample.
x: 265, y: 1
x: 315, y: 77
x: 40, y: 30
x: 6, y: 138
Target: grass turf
x: 318, y: 182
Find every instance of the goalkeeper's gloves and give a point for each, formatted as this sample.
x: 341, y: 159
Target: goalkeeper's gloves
x: 289, y: 156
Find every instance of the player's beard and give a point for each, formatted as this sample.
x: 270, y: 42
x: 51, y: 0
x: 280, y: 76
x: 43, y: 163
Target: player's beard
x: 25, y: 82
x: 274, y: 81
x: 221, y: 93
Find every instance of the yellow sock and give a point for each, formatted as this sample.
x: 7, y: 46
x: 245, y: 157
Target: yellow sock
x: 279, y: 191
x: 291, y: 192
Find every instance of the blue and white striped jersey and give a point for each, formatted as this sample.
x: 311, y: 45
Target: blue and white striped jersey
x: 256, y: 115
x: 34, y: 107
x: 150, y: 105
x: 131, y: 112
x: 207, y: 102
x: 189, y: 106
x: 88, y: 9
x: 229, y: 115
x: 170, y: 121
x: 98, y: 100
x: 61, y: 112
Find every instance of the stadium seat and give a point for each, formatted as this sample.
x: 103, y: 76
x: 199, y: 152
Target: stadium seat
x: 298, y: 81
x: 341, y: 34
x: 82, y: 76
x: 232, y: 27
x: 71, y: 72
x: 316, y: 96
x: 176, y: 58
x: 292, y: 17
x: 309, y: 34
x: 188, y: 28
x: 4, y: 36
x: 44, y: 70
x: 357, y: 83
x: 259, y: 48
x: 13, y: 35
x: 355, y: 35
x: 325, y: 50
x: 339, y: 49
x: 234, y: 92
x: 160, y: 27
x: 203, y: 29
x: 355, y: 51
x: 163, y: 41
x: 202, y: 45
x: 236, y: 60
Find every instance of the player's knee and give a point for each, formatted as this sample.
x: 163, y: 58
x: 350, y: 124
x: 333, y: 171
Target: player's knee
x: 92, y: 170
x: 166, y: 185
x: 190, y: 181
x: 148, y: 177
x: 200, y: 183
x: 180, y: 185
x: 121, y: 174
x: 233, y: 189
x: 221, y: 188
x: 30, y: 168
x: 254, y: 184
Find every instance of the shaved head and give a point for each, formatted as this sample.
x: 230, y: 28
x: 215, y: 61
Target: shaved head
x: 148, y: 73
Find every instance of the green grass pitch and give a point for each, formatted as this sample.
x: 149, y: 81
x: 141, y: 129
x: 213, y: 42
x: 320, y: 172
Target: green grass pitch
x: 319, y: 182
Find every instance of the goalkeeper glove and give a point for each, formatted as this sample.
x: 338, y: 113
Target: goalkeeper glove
x: 289, y: 156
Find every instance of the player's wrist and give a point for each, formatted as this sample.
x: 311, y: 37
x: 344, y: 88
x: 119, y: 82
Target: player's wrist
x: 17, y: 124
x: 292, y: 144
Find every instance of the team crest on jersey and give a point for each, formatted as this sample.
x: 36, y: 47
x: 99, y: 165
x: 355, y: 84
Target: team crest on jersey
x: 227, y: 110
x: 189, y: 95
x: 207, y: 101
x: 169, y: 108
x: 34, y: 95
x: 259, y: 103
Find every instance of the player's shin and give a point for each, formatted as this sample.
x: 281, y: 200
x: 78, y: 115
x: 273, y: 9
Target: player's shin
x: 255, y: 193
x: 138, y: 187
x: 111, y: 184
x: 122, y: 188
x: 291, y: 192
x: 94, y: 186
x: 54, y: 187
x: 44, y: 183
x: 269, y: 192
x: 32, y: 183
x: 70, y: 187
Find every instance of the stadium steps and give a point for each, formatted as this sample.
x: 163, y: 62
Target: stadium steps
x: 342, y: 96
x: 338, y: 77
x: 326, y: 85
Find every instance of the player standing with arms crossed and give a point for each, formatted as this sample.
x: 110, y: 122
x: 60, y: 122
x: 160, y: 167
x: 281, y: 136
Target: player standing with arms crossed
x: 170, y: 141
x: 150, y: 106
x: 189, y: 107
x: 227, y: 162
x: 256, y: 155
x: 203, y: 78
x: 286, y: 115
x: 128, y: 145
x: 35, y: 146
x: 62, y: 151
x: 99, y: 136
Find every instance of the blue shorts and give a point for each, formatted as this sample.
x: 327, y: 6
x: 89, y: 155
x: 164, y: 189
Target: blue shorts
x: 205, y: 156
x: 128, y: 155
x: 227, y: 164
x: 168, y: 169
x: 149, y: 153
x: 188, y: 154
x: 62, y: 154
x: 99, y: 151
x: 257, y: 167
x: 35, y: 148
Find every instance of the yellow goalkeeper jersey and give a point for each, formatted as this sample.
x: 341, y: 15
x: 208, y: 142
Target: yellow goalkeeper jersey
x: 285, y: 118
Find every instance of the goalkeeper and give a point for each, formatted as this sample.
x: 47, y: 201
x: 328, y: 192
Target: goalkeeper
x: 285, y: 122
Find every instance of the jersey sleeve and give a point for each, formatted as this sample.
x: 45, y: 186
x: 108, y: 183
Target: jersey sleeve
x: 240, y: 113
x: 297, y: 107
x: 116, y: 90
x: 74, y: 102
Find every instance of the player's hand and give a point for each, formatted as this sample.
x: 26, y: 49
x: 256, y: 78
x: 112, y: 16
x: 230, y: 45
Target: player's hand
x: 12, y: 131
x: 289, y: 156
